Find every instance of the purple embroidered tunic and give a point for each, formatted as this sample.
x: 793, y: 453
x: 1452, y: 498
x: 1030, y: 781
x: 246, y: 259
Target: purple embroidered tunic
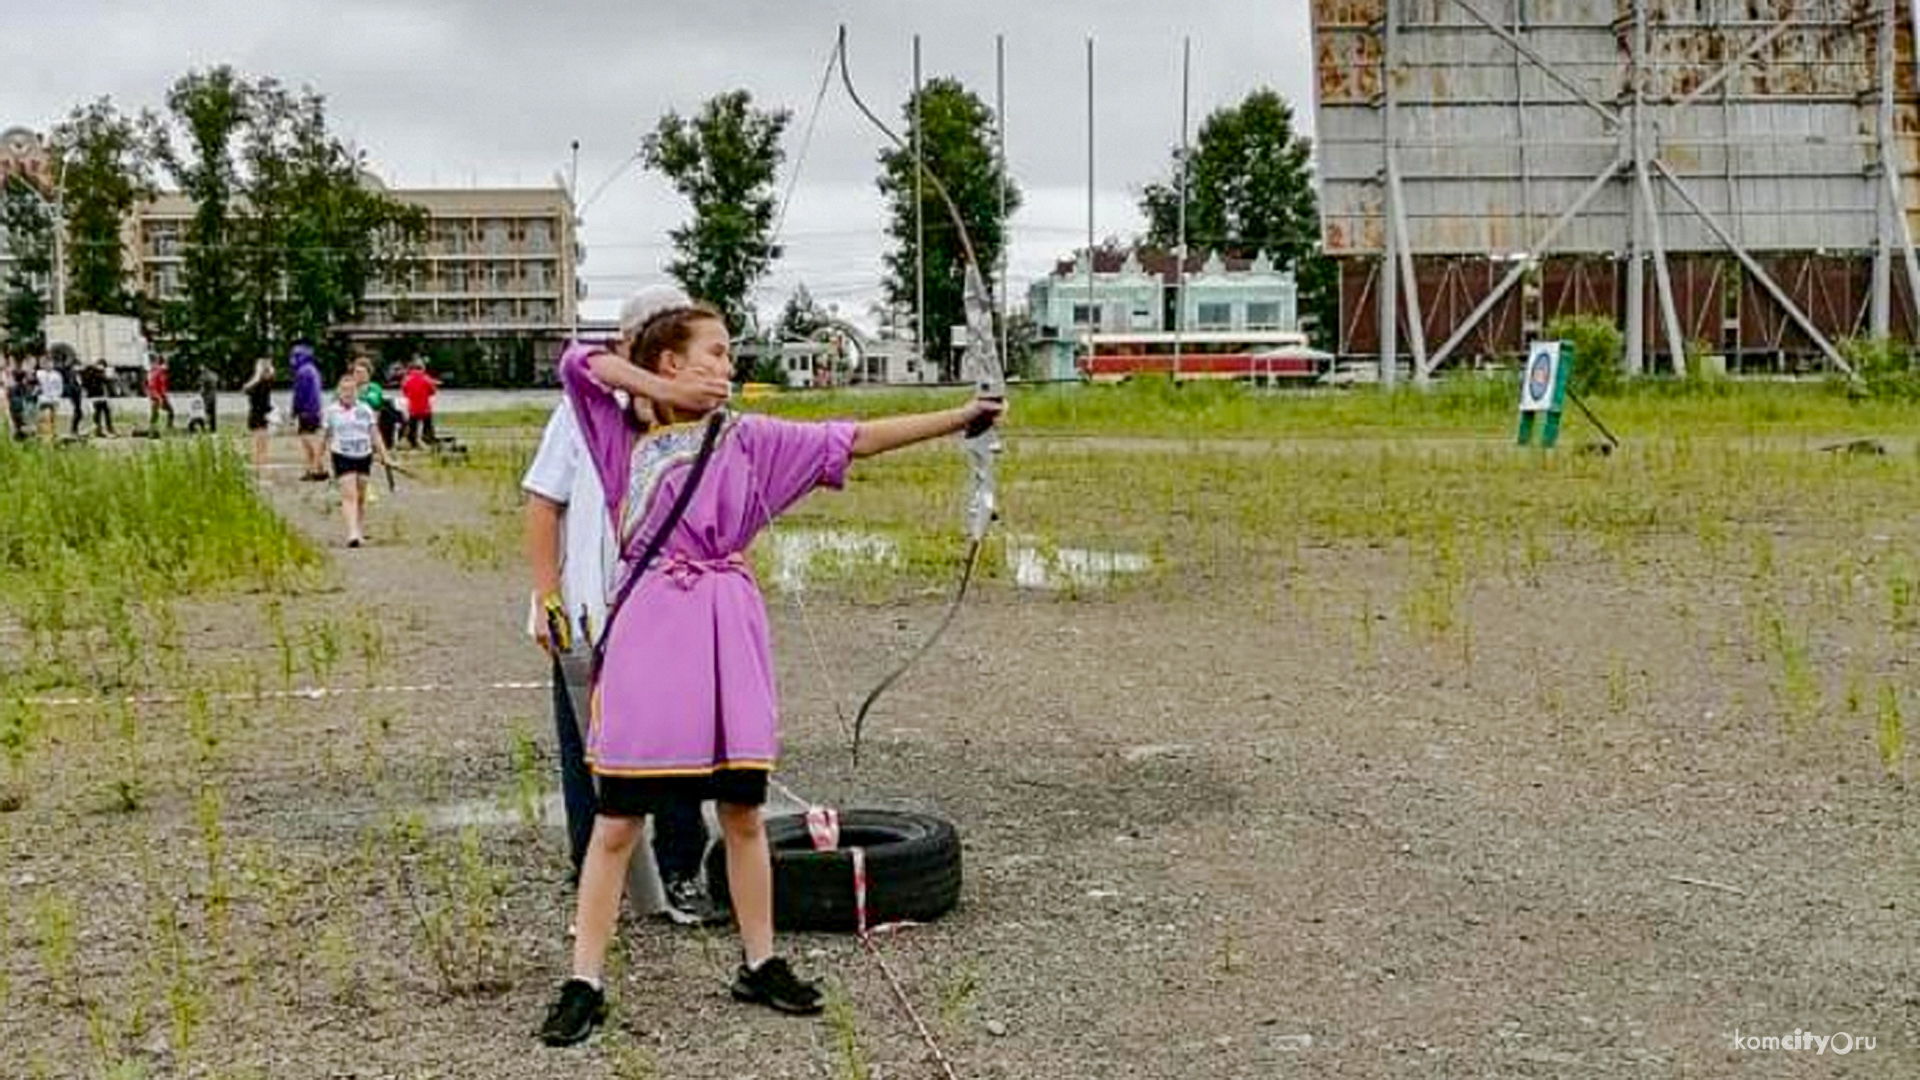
x: 687, y: 685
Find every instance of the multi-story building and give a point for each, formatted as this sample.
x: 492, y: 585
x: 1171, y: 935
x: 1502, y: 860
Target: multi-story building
x: 1132, y: 297
x: 497, y: 263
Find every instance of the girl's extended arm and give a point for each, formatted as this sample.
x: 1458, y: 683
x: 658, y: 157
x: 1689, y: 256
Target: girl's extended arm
x: 879, y: 436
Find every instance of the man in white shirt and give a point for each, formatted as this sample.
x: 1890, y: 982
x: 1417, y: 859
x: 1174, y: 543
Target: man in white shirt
x: 575, y: 559
x: 52, y: 389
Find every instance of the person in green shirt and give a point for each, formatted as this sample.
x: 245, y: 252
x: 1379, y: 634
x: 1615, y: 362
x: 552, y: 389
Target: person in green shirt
x: 374, y: 396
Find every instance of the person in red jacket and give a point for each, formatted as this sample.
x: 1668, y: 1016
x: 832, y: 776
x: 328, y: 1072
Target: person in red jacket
x: 157, y: 395
x: 418, y: 388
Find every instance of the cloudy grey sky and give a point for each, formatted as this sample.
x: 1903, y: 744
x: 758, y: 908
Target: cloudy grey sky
x: 461, y: 92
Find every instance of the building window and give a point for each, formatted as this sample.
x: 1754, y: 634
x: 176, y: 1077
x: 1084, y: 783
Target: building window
x: 540, y: 311
x: 1142, y: 318
x: 453, y: 278
x: 539, y: 277
x: 539, y: 236
x: 1086, y: 314
x: 450, y: 237
x: 496, y: 235
x: 1263, y: 315
x: 500, y: 311
x: 1214, y: 316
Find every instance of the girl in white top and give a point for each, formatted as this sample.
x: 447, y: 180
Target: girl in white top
x: 353, y: 438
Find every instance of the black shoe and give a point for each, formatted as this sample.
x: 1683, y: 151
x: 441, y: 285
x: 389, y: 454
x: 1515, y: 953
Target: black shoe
x: 688, y: 904
x: 580, y: 1010
x: 776, y: 986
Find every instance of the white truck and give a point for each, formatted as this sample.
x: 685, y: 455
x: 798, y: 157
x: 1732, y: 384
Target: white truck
x: 114, y: 338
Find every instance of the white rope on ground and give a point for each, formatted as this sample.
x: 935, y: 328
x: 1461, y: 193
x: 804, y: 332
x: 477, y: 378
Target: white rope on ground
x: 309, y: 693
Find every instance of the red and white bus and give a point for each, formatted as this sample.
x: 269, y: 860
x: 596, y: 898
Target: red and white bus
x: 1254, y: 356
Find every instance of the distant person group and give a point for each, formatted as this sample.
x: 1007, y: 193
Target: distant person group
x: 37, y: 386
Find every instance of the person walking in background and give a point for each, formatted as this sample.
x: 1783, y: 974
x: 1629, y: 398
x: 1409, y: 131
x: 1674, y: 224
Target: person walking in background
x: 259, y: 391
x: 386, y: 417
x: 70, y: 385
x: 209, y: 396
x: 51, y: 389
x: 98, y: 386
x: 353, y: 444
x: 20, y: 388
x: 157, y: 400
x: 308, y: 403
x: 418, y: 388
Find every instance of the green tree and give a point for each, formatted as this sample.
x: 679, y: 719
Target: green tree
x: 29, y: 231
x: 802, y: 317
x: 102, y: 159
x: 723, y: 161
x: 288, y: 235
x: 1598, y: 349
x: 1249, y: 190
x: 957, y: 145
x: 318, y: 234
x: 210, y: 108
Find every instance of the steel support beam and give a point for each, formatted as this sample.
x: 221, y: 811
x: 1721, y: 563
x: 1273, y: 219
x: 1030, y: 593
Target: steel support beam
x: 1533, y: 254
x: 1643, y: 148
x: 1753, y: 267
x: 1662, y: 277
x: 1389, y: 290
x: 1409, y: 280
x: 1611, y: 116
x: 1884, y: 202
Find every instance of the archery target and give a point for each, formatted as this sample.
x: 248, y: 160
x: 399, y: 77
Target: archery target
x: 1541, y: 376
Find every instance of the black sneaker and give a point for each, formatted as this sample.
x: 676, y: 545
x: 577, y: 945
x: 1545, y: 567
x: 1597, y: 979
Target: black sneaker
x: 688, y: 904
x: 580, y: 1010
x: 776, y: 986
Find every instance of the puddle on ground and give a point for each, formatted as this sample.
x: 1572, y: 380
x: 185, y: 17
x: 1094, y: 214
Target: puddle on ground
x: 1071, y: 568
x: 499, y: 813
x: 795, y: 553
x: 492, y: 813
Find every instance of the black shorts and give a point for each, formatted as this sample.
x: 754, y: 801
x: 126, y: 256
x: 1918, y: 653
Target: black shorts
x: 256, y: 421
x: 309, y: 424
x: 639, y: 796
x: 344, y: 465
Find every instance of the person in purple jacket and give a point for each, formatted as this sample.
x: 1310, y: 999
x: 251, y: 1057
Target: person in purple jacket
x: 683, y: 704
x: 308, y: 405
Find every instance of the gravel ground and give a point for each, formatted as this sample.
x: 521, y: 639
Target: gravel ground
x: 1212, y: 836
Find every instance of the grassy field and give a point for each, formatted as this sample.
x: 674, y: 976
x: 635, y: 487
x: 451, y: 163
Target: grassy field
x: 234, y: 872
x: 1459, y: 408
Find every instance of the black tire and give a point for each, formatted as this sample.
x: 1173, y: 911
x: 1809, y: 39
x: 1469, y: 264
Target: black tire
x: 913, y: 870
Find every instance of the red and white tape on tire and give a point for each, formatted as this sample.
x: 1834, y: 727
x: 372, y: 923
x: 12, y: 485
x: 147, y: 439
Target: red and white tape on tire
x: 823, y: 827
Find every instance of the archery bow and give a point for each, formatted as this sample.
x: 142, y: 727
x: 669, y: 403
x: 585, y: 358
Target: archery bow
x: 982, y: 440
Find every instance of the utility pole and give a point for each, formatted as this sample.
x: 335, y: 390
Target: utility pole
x: 919, y: 219
x: 573, y: 213
x: 1000, y: 132
x: 1180, y: 248
x: 1093, y: 306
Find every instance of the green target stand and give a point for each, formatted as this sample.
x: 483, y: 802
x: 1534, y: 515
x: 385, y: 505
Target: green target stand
x: 1543, y: 391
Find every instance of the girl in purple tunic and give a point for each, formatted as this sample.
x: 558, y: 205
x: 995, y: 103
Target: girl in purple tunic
x: 684, y: 704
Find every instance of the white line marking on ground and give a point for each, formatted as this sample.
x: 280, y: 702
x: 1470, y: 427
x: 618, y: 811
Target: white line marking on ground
x: 306, y: 693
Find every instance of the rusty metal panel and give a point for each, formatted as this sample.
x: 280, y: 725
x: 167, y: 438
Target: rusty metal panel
x: 1491, y: 149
